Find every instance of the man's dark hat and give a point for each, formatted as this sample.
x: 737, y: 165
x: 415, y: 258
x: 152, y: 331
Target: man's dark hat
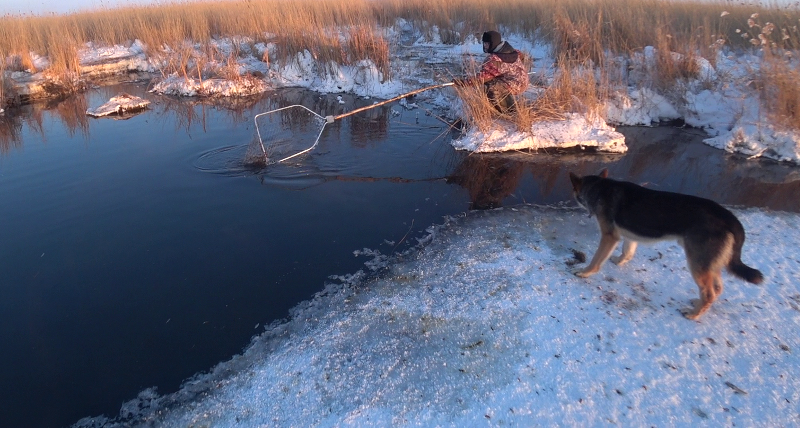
x: 493, y: 38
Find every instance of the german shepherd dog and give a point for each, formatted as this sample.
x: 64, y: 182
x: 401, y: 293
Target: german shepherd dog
x: 711, y: 236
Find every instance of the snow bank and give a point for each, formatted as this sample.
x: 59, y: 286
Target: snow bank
x: 189, y: 87
x: 721, y: 101
x: 487, y: 324
x: 575, y: 131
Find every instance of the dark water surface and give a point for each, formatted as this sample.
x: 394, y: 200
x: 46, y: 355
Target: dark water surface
x: 138, y: 252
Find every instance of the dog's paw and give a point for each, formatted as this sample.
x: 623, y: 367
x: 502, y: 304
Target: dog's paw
x: 693, y: 312
x: 690, y: 313
x: 584, y: 273
x: 619, y: 260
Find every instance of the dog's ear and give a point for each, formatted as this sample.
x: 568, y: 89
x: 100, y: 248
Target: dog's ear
x: 576, y: 181
x: 604, y: 173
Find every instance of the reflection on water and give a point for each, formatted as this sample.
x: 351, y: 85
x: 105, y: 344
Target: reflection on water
x: 72, y: 113
x: 670, y: 159
x: 10, y: 129
x: 489, y: 179
x: 370, y: 127
x: 661, y: 158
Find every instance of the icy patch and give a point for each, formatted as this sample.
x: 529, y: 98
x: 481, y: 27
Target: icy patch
x: 760, y: 141
x: 105, y: 60
x: 92, y: 53
x: 575, y: 131
x: 639, y: 107
x: 362, y: 78
x: 123, y: 103
x: 190, y: 87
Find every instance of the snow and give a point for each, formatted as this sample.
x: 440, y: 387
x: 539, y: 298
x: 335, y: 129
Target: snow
x: 485, y: 323
x: 119, y: 104
x: 190, y: 87
x: 574, y: 131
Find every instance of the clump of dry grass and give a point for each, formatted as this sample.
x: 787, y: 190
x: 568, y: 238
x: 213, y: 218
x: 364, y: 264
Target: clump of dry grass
x: 576, y: 88
x: 778, y: 74
x: 673, y: 62
x: 780, y: 92
x: 364, y: 43
x: 3, y: 83
x: 573, y: 91
x: 578, y: 40
x: 478, y: 111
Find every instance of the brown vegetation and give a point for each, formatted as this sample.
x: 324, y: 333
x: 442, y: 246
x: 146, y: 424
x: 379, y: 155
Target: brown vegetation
x: 345, y: 31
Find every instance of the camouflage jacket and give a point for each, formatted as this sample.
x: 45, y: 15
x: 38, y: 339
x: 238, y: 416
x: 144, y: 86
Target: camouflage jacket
x: 507, y: 66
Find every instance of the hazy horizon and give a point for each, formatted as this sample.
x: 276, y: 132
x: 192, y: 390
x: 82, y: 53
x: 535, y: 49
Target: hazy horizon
x: 44, y: 7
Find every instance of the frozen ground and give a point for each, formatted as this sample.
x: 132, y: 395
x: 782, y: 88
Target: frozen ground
x: 486, y: 325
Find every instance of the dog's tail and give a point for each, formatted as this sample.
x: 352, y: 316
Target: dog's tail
x: 736, y: 266
x: 745, y: 272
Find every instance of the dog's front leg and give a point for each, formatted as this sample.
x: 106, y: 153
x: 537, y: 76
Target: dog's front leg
x: 628, y: 250
x: 608, y: 241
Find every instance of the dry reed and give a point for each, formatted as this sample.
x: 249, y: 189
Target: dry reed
x: 346, y: 31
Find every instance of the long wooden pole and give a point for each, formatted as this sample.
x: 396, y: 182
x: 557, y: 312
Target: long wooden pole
x: 358, y: 110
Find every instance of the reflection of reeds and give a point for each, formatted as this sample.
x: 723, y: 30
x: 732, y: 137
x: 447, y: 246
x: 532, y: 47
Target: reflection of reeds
x: 72, y: 113
x: 488, y: 179
x: 369, y: 127
x: 10, y: 132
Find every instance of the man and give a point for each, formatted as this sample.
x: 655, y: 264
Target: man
x: 503, y: 75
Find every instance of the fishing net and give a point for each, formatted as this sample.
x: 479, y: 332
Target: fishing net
x: 286, y: 133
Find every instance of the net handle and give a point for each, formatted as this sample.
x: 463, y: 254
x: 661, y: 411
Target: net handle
x: 330, y: 119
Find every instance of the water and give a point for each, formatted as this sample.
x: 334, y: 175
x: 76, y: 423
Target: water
x: 138, y: 252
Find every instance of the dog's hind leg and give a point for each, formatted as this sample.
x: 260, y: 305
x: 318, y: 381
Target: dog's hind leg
x: 608, y: 241
x: 710, y: 285
x: 628, y: 250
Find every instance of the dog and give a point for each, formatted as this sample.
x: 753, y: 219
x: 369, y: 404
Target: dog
x: 711, y: 236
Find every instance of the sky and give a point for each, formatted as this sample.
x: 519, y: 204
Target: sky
x: 18, y: 7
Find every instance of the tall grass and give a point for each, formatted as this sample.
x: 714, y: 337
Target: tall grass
x: 582, y: 32
x: 616, y: 25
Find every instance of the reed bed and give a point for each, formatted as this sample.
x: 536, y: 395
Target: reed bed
x: 583, y: 34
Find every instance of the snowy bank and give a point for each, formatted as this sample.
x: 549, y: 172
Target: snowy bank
x: 719, y: 99
x: 574, y: 131
x: 487, y: 324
